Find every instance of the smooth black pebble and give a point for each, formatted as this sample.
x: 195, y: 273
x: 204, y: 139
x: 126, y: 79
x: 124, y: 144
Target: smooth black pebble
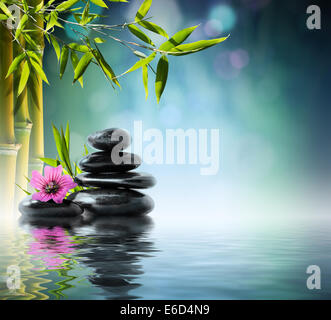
x: 132, y: 180
x: 106, y: 140
x: 50, y: 209
x: 102, y: 162
x: 113, y: 202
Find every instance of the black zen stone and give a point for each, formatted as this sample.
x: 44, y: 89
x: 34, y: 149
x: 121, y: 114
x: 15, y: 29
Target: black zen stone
x: 113, y: 202
x: 103, y: 162
x: 106, y: 140
x: 50, y: 209
x: 132, y: 180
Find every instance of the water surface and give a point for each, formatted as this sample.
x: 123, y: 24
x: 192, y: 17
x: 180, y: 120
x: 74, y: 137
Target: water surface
x: 168, y: 257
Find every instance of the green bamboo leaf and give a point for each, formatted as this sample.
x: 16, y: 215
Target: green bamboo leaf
x: 99, y: 40
x: 154, y: 28
x: 62, y: 148
x: 21, y: 25
x: 161, y: 77
x: 82, y: 65
x: 74, y: 62
x: 6, y: 11
x: 39, y: 70
x: 51, y: 162
x: 78, y: 47
x: 63, y: 60
x: 77, y: 170
x: 27, y: 192
x: 143, y: 10
x: 67, y: 137
x: 177, y: 38
x: 100, y: 3
x: 47, y: 37
x: 49, y: 3
x: 58, y: 141
x: 145, y: 79
x: 34, y: 55
x: 14, y: 65
x: 66, y: 5
x: 39, y: 6
x: 78, y: 17
x: 65, y: 152
x: 24, y: 78
x: 106, y: 68
x: 85, y: 15
x: 52, y: 20
x: 117, y: 0
x: 56, y: 47
x: 32, y: 44
x: 91, y: 17
x: 142, y: 62
x: 25, y: 5
x: 85, y: 151
x: 193, y: 47
x: 3, y: 17
x: 139, y: 34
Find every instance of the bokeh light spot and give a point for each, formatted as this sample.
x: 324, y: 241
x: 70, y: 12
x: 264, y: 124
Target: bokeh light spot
x: 213, y: 28
x: 225, y: 14
x: 239, y: 58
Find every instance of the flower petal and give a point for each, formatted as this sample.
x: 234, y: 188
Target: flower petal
x: 58, y: 197
x: 67, y: 182
x: 53, y: 174
x: 37, y: 181
x: 41, y: 196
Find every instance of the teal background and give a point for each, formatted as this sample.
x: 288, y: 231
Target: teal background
x: 271, y: 101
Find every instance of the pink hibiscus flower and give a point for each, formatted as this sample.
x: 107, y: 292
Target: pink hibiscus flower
x: 53, y: 186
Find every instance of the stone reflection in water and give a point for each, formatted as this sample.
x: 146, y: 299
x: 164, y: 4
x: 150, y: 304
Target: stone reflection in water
x: 112, y: 247
x: 114, y: 251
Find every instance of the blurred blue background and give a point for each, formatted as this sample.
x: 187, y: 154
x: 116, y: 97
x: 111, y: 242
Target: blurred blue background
x: 267, y: 88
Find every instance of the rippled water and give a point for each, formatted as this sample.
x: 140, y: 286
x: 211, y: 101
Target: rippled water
x: 168, y: 258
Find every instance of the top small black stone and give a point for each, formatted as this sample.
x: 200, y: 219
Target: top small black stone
x: 107, y: 139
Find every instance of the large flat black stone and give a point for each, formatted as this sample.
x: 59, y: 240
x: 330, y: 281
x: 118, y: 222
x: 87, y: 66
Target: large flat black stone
x: 102, y: 162
x: 113, y: 202
x: 107, y: 139
x: 131, y: 180
x: 50, y: 209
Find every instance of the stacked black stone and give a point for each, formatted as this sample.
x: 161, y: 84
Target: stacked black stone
x: 108, y: 172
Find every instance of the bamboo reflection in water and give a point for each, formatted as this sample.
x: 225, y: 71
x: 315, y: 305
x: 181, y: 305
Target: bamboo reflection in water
x: 14, y: 245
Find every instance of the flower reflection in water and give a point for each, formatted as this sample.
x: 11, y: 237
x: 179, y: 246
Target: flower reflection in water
x: 51, y: 247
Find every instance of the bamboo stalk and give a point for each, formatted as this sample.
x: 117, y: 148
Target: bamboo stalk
x: 8, y: 148
x: 7, y: 135
x: 23, y: 127
x: 35, y: 96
